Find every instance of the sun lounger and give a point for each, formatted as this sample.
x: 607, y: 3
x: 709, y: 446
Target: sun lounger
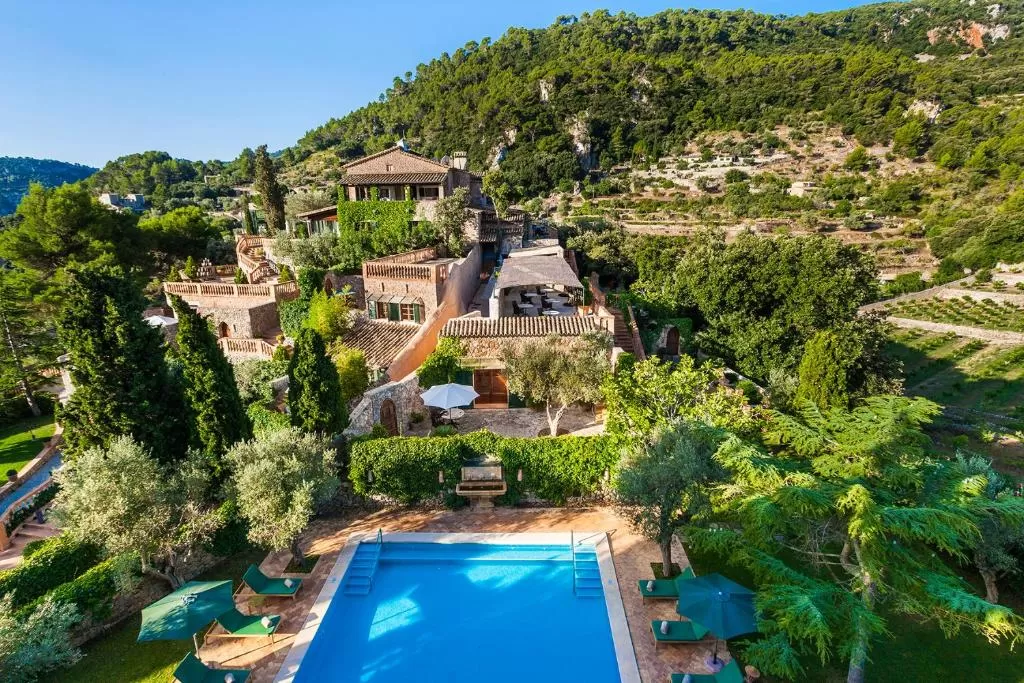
x: 261, y: 584
x: 730, y: 673
x: 678, y: 632
x: 191, y: 670
x: 663, y: 589
x: 240, y: 625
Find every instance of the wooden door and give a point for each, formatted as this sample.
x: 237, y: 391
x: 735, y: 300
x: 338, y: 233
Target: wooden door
x: 389, y: 416
x: 223, y: 330
x: 672, y: 341
x: 492, y: 387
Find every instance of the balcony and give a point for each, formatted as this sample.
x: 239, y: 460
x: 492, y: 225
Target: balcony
x: 420, y: 265
x: 283, y: 291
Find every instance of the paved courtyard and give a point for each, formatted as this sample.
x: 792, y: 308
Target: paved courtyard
x: 631, y: 553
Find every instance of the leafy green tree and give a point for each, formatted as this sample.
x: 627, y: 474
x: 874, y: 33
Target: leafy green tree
x: 499, y: 189
x: 122, y: 385
x: 279, y: 481
x: 353, y: 373
x: 443, y: 364
x: 858, y: 160
x: 248, y: 226
x: 450, y: 215
x: 314, y: 391
x: 271, y: 192
x: 665, y: 482
x: 643, y: 397
x: 329, y: 315
x: 215, y: 414
x: 27, y: 342
x: 244, y: 165
x: 37, y: 644
x: 180, y: 233
x: 123, y: 498
x: 558, y: 372
x: 66, y: 224
x: 910, y: 139
x: 846, y: 512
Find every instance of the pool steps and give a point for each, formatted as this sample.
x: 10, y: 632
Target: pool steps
x: 586, y: 574
x: 359, y: 578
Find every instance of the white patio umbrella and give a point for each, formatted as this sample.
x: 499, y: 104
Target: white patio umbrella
x: 449, y: 396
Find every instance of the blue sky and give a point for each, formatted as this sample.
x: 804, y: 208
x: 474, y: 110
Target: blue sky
x: 90, y: 80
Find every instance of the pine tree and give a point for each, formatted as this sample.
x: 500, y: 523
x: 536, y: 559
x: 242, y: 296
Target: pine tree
x: 847, y: 513
x: 314, y: 390
x: 271, y: 192
x: 121, y: 383
x: 216, y: 416
x: 27, y: 344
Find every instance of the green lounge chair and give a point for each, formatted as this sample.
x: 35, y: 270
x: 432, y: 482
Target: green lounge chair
x: 664, y: 589
x: 261, y: 584
x: 240, y: 625
x: 730, y: 673
x: 678, y: 632
x: 191, y: 670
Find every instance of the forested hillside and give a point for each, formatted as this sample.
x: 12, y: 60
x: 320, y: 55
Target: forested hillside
x: 17, y: 172
x: 603, y: 86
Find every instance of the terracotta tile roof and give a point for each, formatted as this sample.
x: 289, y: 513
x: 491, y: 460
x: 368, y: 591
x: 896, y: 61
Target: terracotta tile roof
x: 331, y: 210
x: 516, y: 326
x: 392, y: 178
x: 389, y: 150
x: 380, y: 340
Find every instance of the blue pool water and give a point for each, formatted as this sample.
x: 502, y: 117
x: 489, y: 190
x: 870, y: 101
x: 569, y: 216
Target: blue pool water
x: 461, y: 613
x: 33, y: 481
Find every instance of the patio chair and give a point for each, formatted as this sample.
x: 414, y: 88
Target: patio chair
x: 663, y: 589
x: 238, y: 625
x: 730, y: 673
x: 261, y: 584
x: 678, y: 632
x: 191, y: 670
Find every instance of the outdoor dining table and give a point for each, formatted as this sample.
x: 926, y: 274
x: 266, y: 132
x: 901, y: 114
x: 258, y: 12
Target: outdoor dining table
x: 550, y: 312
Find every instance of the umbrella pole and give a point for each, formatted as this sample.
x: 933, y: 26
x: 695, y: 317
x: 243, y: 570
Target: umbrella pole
x: 195, y: 641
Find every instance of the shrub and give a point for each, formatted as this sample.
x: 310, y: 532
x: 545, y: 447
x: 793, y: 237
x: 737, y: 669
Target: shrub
x: 59, y: 560
x: 37, y: 641
x: 444, y: 430
x: 32, y: 547
x: 554, y: 468
x: 265, y: 420
x: 94, y: 591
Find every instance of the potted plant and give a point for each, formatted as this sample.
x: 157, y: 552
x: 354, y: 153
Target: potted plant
x: 12, y: 475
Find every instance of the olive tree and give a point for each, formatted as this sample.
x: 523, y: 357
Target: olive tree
x: 279, y: 480
x: 558, y: 372
x: 125, y: 499
x: 39, y: 642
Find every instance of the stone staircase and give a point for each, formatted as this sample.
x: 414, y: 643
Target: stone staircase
x: 623, y: 336
x: 251, y: 251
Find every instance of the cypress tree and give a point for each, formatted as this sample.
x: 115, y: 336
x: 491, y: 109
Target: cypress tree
x: 247, y: 225
x: 121, y: 382
x: 314, y: 390
x: 271, y: 192
x: 214, y: 410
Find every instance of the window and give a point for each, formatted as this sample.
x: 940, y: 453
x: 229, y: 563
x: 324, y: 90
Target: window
x: 382, y: 309
x: 406, y: 312
x: 389, y: 168
x: 427, y: 193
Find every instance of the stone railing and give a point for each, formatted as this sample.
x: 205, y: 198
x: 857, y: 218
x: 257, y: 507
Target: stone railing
x: 433, y: 272
x: 238, y: 346
x: 638, y: 345
x: 274, y: 292
x: 415, y: 256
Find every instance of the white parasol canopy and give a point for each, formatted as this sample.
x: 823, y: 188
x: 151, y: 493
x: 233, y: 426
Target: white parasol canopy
x: 449, y: 396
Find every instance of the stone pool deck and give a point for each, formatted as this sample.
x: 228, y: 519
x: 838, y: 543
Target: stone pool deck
x: 632, y: 556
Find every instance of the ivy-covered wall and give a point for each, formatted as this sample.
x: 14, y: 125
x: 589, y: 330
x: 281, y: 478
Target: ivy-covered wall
x: 555, y: 469
x: 373, y: 228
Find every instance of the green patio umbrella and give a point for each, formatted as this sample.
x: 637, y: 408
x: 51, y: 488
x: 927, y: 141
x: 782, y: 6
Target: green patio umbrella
x: 186, y: 611
x: 719, y: 604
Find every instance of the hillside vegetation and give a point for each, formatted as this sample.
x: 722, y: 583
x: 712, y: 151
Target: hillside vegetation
x: 17, y: 172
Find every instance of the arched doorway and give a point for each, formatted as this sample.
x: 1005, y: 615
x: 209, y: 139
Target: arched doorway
x: 223, y: 330
x: 672, y: 341
x: 389, y: 416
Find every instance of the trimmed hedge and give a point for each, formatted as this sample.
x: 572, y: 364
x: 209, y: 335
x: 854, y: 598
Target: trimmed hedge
x: 555, y: 469
x: 94, y: 591
x: 59, y: 560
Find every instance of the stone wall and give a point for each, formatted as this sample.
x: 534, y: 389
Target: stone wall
x: 429, y: 291
x: 405, y: 394
x: 249, y: 323
x: 463, y: 281
x: 995, y: 336
x: 339, y: 282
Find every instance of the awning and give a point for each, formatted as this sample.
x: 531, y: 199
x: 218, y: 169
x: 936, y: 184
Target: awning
x: 525, y: 271
x: 393, y: 299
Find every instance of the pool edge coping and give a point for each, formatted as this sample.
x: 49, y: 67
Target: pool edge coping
x: 622, y: 642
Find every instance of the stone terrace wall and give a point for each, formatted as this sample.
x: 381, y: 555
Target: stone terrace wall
x: 406, y: 395
x: 995, y: 336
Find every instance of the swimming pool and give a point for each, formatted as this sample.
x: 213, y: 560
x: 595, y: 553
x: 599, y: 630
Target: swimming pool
x: 483, y: 607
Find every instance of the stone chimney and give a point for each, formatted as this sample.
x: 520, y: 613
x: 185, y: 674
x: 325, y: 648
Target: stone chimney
x: 459, y: 160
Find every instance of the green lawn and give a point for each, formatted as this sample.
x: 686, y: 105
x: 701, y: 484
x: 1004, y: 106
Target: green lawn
x: 116, y: 656
x: 23, y: 440
x: 914, y: 651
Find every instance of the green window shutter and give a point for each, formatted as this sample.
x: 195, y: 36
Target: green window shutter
x: 371, y: 310
x: 515, y: 401
x: 464, y: 377
x: 393, y: 312
x: 417, y: 313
